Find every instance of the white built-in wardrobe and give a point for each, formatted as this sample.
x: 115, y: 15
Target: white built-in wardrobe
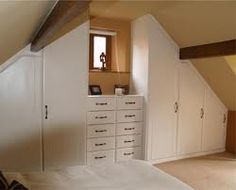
x: 183, y: 115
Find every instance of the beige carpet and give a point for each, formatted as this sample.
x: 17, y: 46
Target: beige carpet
x: 213, y: 172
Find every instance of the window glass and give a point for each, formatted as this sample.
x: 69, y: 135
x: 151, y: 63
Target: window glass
x: 99, y: 47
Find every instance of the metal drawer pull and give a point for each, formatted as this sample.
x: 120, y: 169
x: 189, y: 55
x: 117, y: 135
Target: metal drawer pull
x: 101, y: 104
x: 130, y: 141
x: 202, y: 113
x: 99, y: 157
x: 130, y: 115
x: 176, y: 107
x: 101, y: 144
x: 128, y: 153
x: 129, y: 102
x: 128, y: 129
x: 101, y: 117
x: 101, y: 131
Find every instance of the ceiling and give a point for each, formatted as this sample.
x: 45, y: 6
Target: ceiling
x: 19, y: 21
x: 189, y: 23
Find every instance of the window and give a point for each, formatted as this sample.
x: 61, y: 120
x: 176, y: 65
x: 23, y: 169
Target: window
x: 100, y: 52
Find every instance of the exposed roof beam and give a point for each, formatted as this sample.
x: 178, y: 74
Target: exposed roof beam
x: 209, y: 50
x: 63, y: 12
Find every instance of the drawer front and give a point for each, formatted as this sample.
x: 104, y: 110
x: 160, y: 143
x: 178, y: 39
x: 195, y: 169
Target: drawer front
x: 128, y: 153
x: 100, y: 157
x: 129, y: 128
x: 129, y: 102
x: 129, y: 115
x: 101, y: 144
x: 101, y: 103
x: 101, y: 117
x: 128, y: 141
x: 104, y: 130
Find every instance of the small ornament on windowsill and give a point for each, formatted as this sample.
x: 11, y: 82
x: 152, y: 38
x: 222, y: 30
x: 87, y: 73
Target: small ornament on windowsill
x: 103, y: 60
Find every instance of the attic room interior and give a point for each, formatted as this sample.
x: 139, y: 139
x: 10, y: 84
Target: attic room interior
x: 117, y: 95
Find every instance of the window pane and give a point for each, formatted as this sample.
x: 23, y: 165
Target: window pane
x: 99, y: 47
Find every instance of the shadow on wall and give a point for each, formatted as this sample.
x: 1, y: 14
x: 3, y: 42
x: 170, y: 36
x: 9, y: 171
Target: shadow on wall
x: 62, y: 147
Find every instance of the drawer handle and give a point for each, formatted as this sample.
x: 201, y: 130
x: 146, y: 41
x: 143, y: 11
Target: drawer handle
x: 129, y: 129
x: 129, y: 103
x: 101, y: 144
x: 101, y: 104
x: 101, y: 131
x: 129, y: 141
x: 101, y: 117
x: 128, y: 153
x: 130, y: 115
x: 99, y: 157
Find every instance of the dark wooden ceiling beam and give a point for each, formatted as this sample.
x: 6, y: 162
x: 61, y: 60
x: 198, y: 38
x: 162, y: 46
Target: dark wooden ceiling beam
x: 209, y: 50
x: 63, y: 12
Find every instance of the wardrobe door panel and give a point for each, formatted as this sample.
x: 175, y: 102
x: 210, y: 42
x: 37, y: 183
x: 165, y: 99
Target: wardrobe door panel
x: 214, y: 123
x: 66, y: 91
x: 191, y: 110
x: 163, y: 93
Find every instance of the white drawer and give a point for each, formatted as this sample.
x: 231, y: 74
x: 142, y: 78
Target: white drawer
x: 101, y: 103
x: 128, y: 153
x: 129, y: 102
x: 103, y: 130
x: 101, y: 117
x: 100, y: 157
x: 129, y: 115
x: 128, y: 141
x: 101, y: 144
x: 129, y: 128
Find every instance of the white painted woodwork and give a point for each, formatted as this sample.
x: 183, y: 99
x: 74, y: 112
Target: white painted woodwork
x: 100, y: 157
x: 214, y: 130
x: 174, y: 94
x: 65, y: 92
x: 129, y: 128
x: 96, y: 144
x: 20, y: 115
x: 101, y: 117
x: 191, y: 101
x: 101, y: 103
x: 123, y: 116
x: 128, y: 153
x: 155, y: 73
x: 128, y: 102
x: 104, y: 130
x: 128, y: 141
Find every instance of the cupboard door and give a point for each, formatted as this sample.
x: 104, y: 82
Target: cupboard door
x: 66, y: 91
x: 191, y: 99
x: 214, y: 123
x: 163, y: 93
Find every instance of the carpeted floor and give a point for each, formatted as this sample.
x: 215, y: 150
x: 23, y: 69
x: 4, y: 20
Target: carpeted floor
x: 213, y: 172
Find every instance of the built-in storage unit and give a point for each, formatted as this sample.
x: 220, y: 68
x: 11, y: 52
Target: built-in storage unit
x: 183, y: 116
x: 114, y: 128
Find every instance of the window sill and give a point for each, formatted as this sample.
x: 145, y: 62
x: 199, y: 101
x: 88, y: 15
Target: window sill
x: 101, y: 71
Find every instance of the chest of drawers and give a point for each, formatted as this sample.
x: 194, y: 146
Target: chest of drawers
x: 114, y: 128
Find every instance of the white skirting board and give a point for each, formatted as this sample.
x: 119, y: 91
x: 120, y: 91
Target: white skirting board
x: 179, y: 157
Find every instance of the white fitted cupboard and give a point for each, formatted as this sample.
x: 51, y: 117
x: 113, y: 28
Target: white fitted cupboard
x: 183, y: 117
x: 114, y: 128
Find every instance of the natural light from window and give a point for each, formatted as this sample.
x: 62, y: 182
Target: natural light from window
x: 99, y: 47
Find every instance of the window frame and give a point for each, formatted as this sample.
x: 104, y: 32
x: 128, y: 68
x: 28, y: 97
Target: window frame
x: 91, y: 52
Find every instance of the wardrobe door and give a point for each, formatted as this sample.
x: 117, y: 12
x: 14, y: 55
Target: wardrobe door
x: 20, y: 115
x: 163, y: 93
x: 214, y: 123
x: 65, y: 99
x: 191, y: 113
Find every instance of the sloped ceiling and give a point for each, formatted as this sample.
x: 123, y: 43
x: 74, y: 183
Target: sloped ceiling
x: 189, y: 23
x: 19, y: 20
